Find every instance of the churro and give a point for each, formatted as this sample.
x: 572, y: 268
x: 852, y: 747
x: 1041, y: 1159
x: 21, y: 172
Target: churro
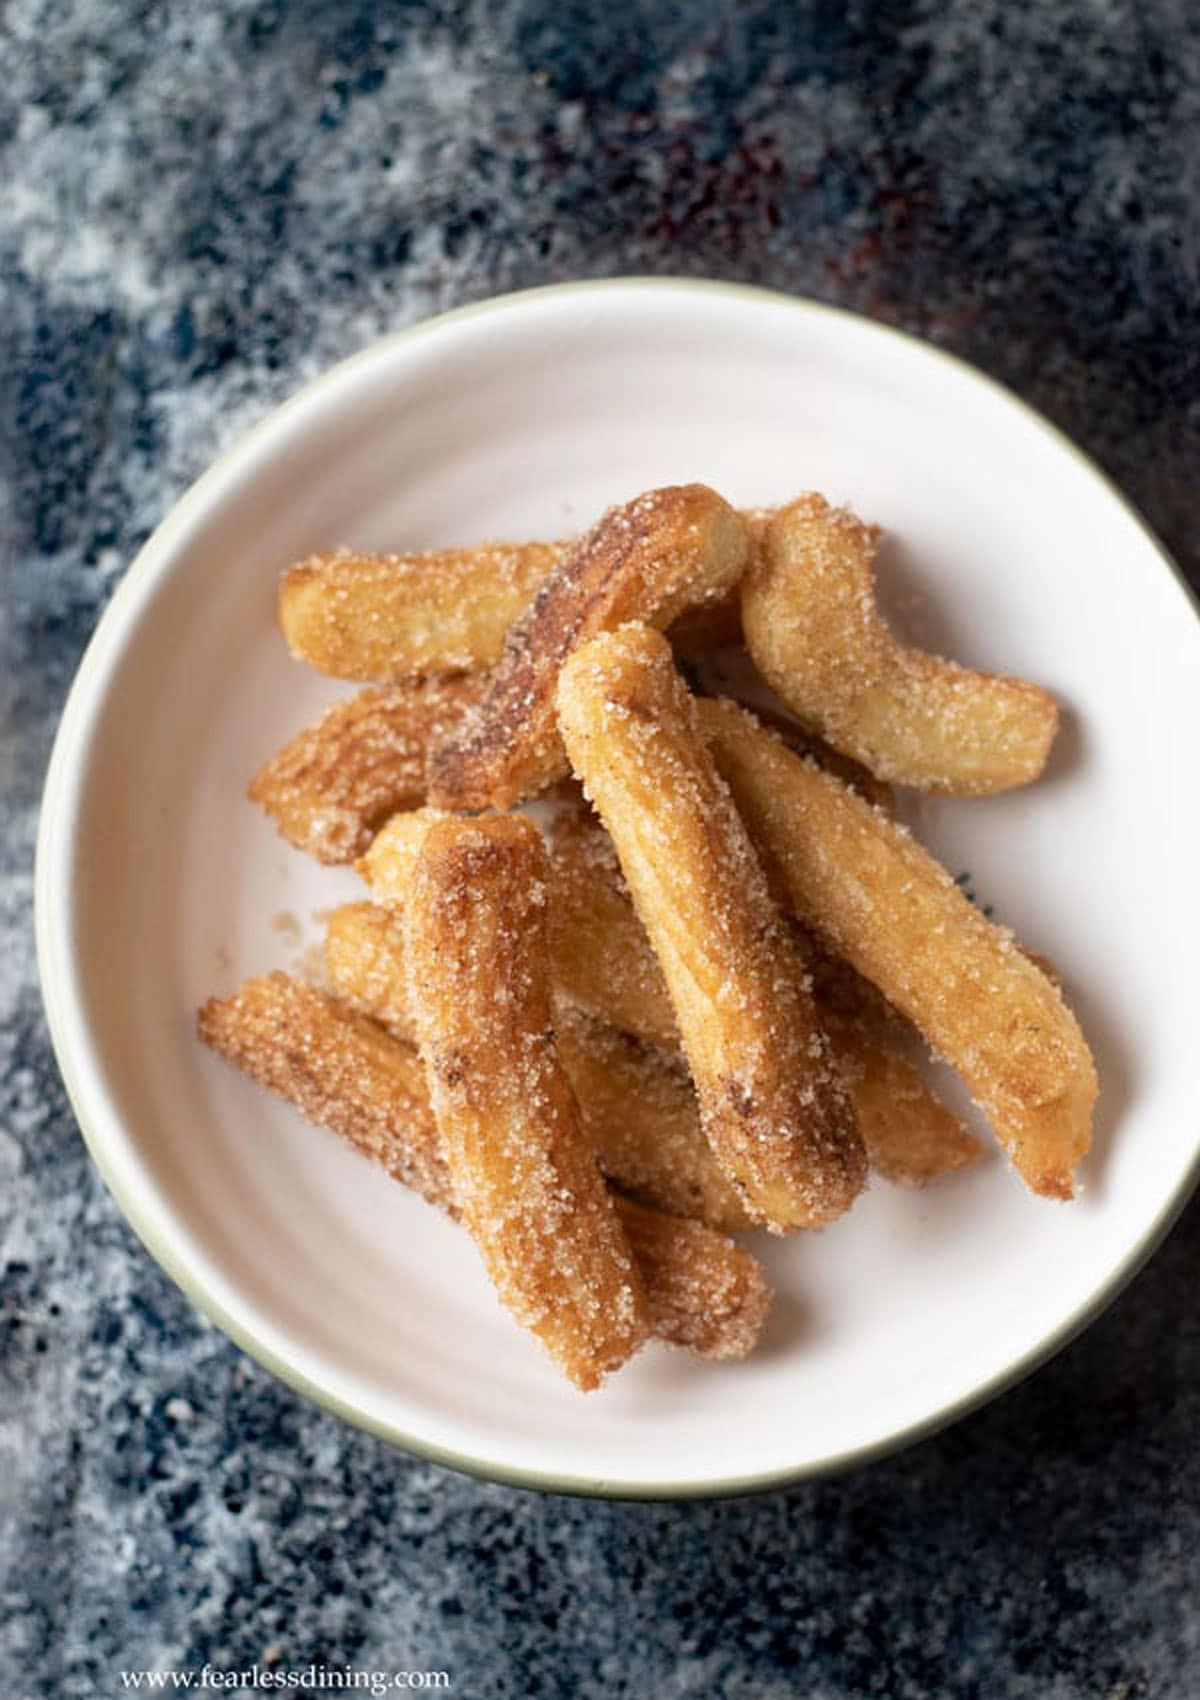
x: 603, y: 965
x: 772, y: 1104
x: 344, y: 1072
x: 639, y: 1108
x: 805, y: 742
x: 334, y: 783
x: 874, y: 896
x: 391, y: 859
x: 911, y: 1137
x: 385, y: 618
x: 702, y: 1290
x: 636, y: 1104
x: 340, y: 1070
x: 651, y: 559
x: 813, y: 628
x: 525, y: 1174
x: 601, y: 960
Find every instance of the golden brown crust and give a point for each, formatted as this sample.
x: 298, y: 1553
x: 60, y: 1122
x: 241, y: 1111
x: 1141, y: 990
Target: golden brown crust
x: 346, y: 1073
x: 731, y: 673
x: 339, y: 1070
x: 337, y: 781
x: 639, y: 1109
x: 669, y: 550
x: 874, y: 896
x: 525, y: 1175
x: 365, y: 961
x: 804, y: 742
x: 601, y: 959
x: 702, y: 1290
x: 385, y: 618
x: 603, y: 963
x: 813, y: 628
x: 910, y: 1135
x: 772, y: 1105
x: 636, y: 1104
x: 391, y: 860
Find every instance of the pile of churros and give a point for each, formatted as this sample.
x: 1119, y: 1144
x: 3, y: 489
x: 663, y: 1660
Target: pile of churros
x: 686, y: 995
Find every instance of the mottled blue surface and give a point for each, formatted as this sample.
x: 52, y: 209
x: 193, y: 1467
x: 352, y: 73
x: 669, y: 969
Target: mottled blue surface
x: 201, y: 205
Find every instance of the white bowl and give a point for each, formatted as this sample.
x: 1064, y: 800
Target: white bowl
x: 157, y: 884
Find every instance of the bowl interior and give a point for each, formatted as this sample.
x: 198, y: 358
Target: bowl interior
x: 159, y: 884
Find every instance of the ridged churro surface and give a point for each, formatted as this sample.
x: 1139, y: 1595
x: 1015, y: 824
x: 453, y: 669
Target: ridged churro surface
x: 338, y: 780
x: 525, y: 1174
x: 601, y: 957
x: 702, y: 1289
x: 603, y: 962
x: 339, y: 1069
x: 636, y: 1103
x: 344, y: 1072
x: 667, y: 551
x: 772, y: 1103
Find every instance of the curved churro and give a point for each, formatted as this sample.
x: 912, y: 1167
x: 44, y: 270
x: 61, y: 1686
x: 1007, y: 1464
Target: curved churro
x: 771, y: 1102
x: 525, y: 1175
x: 812, y: 627
x: 383, y: 618
x: 667, y: 551
x: 637, y: 1105
x: 334, y: 783
x: 346, y: 1073
x: 870, y: 892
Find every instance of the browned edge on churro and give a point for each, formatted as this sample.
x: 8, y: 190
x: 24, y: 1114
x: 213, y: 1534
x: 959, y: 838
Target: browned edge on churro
x: 668, y: 550
x: 772, y: 1104
x: 525, y: 1174
x: 344, y: 1072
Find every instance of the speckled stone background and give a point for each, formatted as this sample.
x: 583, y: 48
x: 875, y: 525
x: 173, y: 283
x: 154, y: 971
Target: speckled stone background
x: 202, y: 205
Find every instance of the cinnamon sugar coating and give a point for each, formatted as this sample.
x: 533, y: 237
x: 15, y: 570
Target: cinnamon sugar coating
x: 525, y: 1174
x: 772, y: 1104
x: 345, y: 1072
x: 667, y: 551
x: 340, y: 1070
x: 337, y: 781
x: 874, y: 896
x: 702, y: 1289
x: 814, y: 631
x: 604, y: 963
x: 636, y: 1103
x: 385, y: 618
